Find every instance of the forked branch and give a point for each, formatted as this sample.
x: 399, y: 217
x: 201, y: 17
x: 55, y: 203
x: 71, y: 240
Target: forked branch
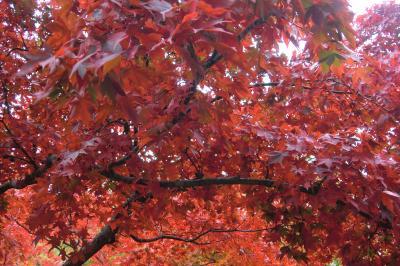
x: 29, y: 179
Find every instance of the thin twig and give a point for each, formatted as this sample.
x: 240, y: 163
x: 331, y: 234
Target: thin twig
x: 19, y: 146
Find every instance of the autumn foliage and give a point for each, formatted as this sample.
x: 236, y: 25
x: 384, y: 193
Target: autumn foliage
x: 160, y: 132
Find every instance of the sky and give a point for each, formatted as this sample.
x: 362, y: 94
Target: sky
x: 359, y: 6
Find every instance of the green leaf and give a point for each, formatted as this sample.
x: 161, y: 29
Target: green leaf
x: 92, y: 92
x: 54, y: 94
x: 329, y: 58
x: 307, y: 3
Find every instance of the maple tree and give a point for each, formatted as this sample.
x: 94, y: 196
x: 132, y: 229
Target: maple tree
x: 175, y: 132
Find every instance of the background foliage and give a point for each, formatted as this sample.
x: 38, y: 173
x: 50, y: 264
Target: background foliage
x: 176, y: 133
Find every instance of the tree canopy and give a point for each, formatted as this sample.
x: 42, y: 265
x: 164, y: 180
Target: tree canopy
x: 161, y: 132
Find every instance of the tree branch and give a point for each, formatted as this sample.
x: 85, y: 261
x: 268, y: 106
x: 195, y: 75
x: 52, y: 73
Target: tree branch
x: 250, y: 27
x: 29, y: 179
x: 16, y: 49
x: 13, y: 158
x: 19, y: 146
x: 112, y: 175
x: 266, y: 84
x: 216, y: 181
x: 194, y: 239
x: 204, y: 182
x: 214, y: 58
x: 315, y: 188
x: 6, y: 101
x: 117, y: 177
x: 105, y: 236
x: 120, y: 162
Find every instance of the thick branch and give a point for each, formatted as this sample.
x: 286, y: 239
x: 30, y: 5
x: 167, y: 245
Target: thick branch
x: 203, y: 182
x: 216, y: 181
x: 312, y: 190
x: 266, y: 84
x: 120, y: 162
x: 29, y: 179
x: 191, y: 183
x: 194, y: 239
x: 212, y: 60
x: 105, y: 236
x: 117, y: 177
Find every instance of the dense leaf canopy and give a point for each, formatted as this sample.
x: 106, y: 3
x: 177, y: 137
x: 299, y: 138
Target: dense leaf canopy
x: 161, y: 132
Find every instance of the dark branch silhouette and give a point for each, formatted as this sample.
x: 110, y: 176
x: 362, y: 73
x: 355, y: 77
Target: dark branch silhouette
x: 29, y: 179
x: 194, y: 239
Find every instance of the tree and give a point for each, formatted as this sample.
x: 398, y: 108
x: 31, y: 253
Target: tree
x: 174, y: 132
